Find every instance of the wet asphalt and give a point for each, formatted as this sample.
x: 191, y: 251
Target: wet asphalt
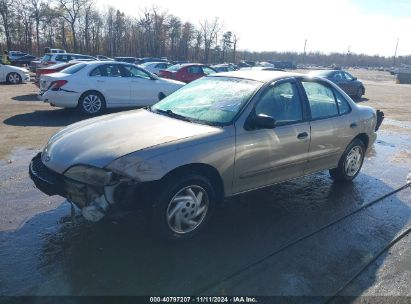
x: 302, y: 237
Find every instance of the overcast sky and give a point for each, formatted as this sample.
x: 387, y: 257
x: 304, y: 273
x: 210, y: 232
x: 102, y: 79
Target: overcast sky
x: 363, y: 26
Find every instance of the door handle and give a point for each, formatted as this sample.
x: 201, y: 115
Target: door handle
x: 100, y: 80
x: 303, y: 135
x: 353, y: 125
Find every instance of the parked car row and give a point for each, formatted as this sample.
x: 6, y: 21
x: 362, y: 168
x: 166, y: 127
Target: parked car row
x: 216, y: 137
x: 94, y: 86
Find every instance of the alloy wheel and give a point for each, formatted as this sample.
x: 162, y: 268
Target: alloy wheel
x: 14, y: 78
x: 353, y: 161
x: 187, y: 209
x: 92, y: 104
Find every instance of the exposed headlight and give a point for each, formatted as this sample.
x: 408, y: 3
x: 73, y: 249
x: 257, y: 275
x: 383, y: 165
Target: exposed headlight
x: 91, y: 175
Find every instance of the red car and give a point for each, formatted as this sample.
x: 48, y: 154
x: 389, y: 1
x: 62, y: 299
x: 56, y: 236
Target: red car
x: 186, y: 72
x: 51, y: 69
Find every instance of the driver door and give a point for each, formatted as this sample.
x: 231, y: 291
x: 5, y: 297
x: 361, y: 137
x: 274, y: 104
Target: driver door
x: 144, y: 89
x: 267, y: 156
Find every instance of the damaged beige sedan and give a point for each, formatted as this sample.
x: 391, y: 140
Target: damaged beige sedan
x: 217, y: 137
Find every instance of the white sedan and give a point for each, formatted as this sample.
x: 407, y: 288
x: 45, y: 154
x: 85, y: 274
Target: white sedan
x: 13, y: 75
x: 155, y: 67
x: 95, y: 86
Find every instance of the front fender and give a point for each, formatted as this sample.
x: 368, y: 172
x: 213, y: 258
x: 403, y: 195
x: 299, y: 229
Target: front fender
x: 154, y: 163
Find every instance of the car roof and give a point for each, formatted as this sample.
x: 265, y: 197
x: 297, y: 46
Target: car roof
x: 324, y: 71
x: 258, y: 75
x: 154, y: 62
x: 58, y: 54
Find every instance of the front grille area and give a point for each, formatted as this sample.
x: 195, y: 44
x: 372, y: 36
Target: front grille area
x: 43, y: 172
x: 46, y: 180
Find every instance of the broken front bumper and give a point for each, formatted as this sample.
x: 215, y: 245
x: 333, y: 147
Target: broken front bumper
x: 48, y: 181
x: 94, y: 201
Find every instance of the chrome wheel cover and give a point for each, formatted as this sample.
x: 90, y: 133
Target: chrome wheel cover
x: 353, y: 161
x: 187, y: 209
x: 14, y: 78
x: 92, y: 104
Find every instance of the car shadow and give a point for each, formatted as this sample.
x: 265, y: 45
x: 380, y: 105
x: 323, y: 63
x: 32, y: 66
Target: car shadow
x: 74, y: 257
x: 28, y: 97
x: 51, y: 118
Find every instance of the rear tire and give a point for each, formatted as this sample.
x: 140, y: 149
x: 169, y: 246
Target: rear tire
x: 92, y: 103
x: 183, y: 207
x: 350, y: 162
x: 13, y: 78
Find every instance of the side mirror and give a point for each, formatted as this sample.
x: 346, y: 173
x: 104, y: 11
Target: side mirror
x: 354, y: 78
x: 262, y: 121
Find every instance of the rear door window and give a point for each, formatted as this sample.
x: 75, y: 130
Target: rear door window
x: 107, y: 70
x: 321, y: 100
x: 195, y: 70
x: 96, y: 72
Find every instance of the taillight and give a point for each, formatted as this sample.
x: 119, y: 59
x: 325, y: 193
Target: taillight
x: 56, y: 85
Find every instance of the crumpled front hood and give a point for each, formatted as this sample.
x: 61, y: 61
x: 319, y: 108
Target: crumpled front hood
x: 101, y: 140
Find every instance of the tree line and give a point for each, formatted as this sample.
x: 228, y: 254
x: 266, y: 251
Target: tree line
x: 79, y: 26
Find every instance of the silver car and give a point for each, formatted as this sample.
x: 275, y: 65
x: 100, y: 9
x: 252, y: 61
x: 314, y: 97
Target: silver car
x: 217, y: 137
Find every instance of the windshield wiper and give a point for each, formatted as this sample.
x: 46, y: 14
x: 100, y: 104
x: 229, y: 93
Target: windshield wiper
x: 170, y: 113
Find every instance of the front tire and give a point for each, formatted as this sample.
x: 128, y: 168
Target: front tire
x: 350, y: 162
x: 184, y: 206
x: 14, y: 78
x: 360, y: 92
x: 92, y: 103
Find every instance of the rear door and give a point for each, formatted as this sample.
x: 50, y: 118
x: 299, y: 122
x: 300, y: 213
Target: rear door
x: 109, y: 80
x: 193, y: 72
x: 329, y: 136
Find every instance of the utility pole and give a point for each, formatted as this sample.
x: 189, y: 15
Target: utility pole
x: 396, y: 48
x: 305, y: 45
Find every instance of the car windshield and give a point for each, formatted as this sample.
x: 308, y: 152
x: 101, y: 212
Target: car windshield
x: 73, y: 69
x: 209, y: 100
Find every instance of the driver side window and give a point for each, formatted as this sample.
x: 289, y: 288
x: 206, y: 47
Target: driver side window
x: 282, y: 102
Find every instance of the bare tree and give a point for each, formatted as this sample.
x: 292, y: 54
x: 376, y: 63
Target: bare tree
x: 209, y: 31
x: 174, y: 32
x: 6, y: 14
x: 71, y: 10
x: 37, y: 9
x: 235, y: 41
